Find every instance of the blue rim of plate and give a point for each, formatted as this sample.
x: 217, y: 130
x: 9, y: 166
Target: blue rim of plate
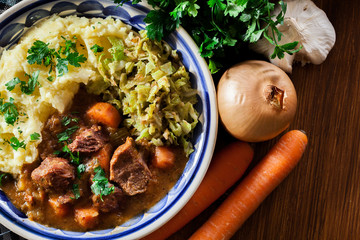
x: 203, y: 149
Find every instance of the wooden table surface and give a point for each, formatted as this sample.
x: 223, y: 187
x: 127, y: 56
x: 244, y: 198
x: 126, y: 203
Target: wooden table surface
x: 320, y: 199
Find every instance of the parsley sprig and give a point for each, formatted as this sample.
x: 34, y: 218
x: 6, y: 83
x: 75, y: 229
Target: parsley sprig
x: 219, y: 24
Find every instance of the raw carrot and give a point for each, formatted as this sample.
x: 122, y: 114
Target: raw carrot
x: 104, y: 113
x: 255, y: 187
x: 164, y: 157
x: 226, y: 167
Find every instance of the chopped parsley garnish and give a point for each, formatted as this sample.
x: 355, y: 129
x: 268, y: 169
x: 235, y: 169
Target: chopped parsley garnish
x: 29, y: 87
x: 74, y: 157
x: 101, y: 186
x: 40, y: 53
x: 12, y: 83
x: 35, y: 136
x: 64, y: 136
x: 75, y: 59
x: 96, y: 48
x: 26, y: 87
x: 62, y: 66
x: 69, y: 45
x: 9, y: 110
x: 50, y: 78
x: 65, y: 121
x: 16, y: 144
x: 80, y: 169
x: 76, y: 191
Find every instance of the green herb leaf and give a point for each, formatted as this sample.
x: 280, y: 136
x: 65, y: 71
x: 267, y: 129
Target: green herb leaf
x: 255, y: 36
x: 66, y: 120
x: 101, y: 186
x: 75, y: 59
x: 74, y: 157
x: 12, y: 83
x: 64, y: 136
x: 218, y: 3
x: 96, y: 48
x: 160, y: 24
x: 29, y: 87
x: 233, y: 9
x: 69, y: 45
x: 289, y: 46
x: 35, y: 136
x: 40, y: 53
x: 214, y: 66
x: 9, y: 110
x: 76, y: 191
x: 80, y: 169
x: 62, y: 66
x: 16, y: 144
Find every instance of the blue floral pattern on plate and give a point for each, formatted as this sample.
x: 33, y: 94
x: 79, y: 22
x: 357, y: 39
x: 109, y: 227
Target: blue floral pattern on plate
x: 28, y: 13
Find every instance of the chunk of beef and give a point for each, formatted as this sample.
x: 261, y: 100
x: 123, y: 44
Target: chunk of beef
x: 109, y: 202
x: 50, y: 141
x: 128, y: 169
x: 54, y: 126
x: 89, y: 140
x: 54, y: 173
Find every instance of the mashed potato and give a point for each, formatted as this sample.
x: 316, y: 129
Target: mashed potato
x: 49, y: 96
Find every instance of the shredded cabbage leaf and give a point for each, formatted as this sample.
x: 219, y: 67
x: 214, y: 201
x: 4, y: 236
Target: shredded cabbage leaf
x: 147, y: 82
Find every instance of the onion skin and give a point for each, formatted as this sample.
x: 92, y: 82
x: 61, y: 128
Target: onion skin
x: 256, y: 100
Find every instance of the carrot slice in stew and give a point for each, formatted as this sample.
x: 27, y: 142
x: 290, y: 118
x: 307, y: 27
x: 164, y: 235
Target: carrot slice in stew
x: 87, y: 217
x: 60, y: 209
x: 164, y: 157
x: 104, y: 157
x: 104, y: 113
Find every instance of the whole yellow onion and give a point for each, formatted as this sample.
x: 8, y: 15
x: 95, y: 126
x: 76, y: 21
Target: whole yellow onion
x: 256, y: 100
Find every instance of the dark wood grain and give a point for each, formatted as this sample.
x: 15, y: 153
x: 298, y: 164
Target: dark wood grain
x: 320, y: 199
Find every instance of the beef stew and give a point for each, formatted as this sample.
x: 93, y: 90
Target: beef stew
x: 84, y: 180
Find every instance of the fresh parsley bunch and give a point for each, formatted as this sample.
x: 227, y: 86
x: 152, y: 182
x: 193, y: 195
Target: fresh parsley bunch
x: 219, y: 24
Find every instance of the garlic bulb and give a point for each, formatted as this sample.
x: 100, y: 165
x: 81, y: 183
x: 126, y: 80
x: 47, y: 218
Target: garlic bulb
x: 308, y: 24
